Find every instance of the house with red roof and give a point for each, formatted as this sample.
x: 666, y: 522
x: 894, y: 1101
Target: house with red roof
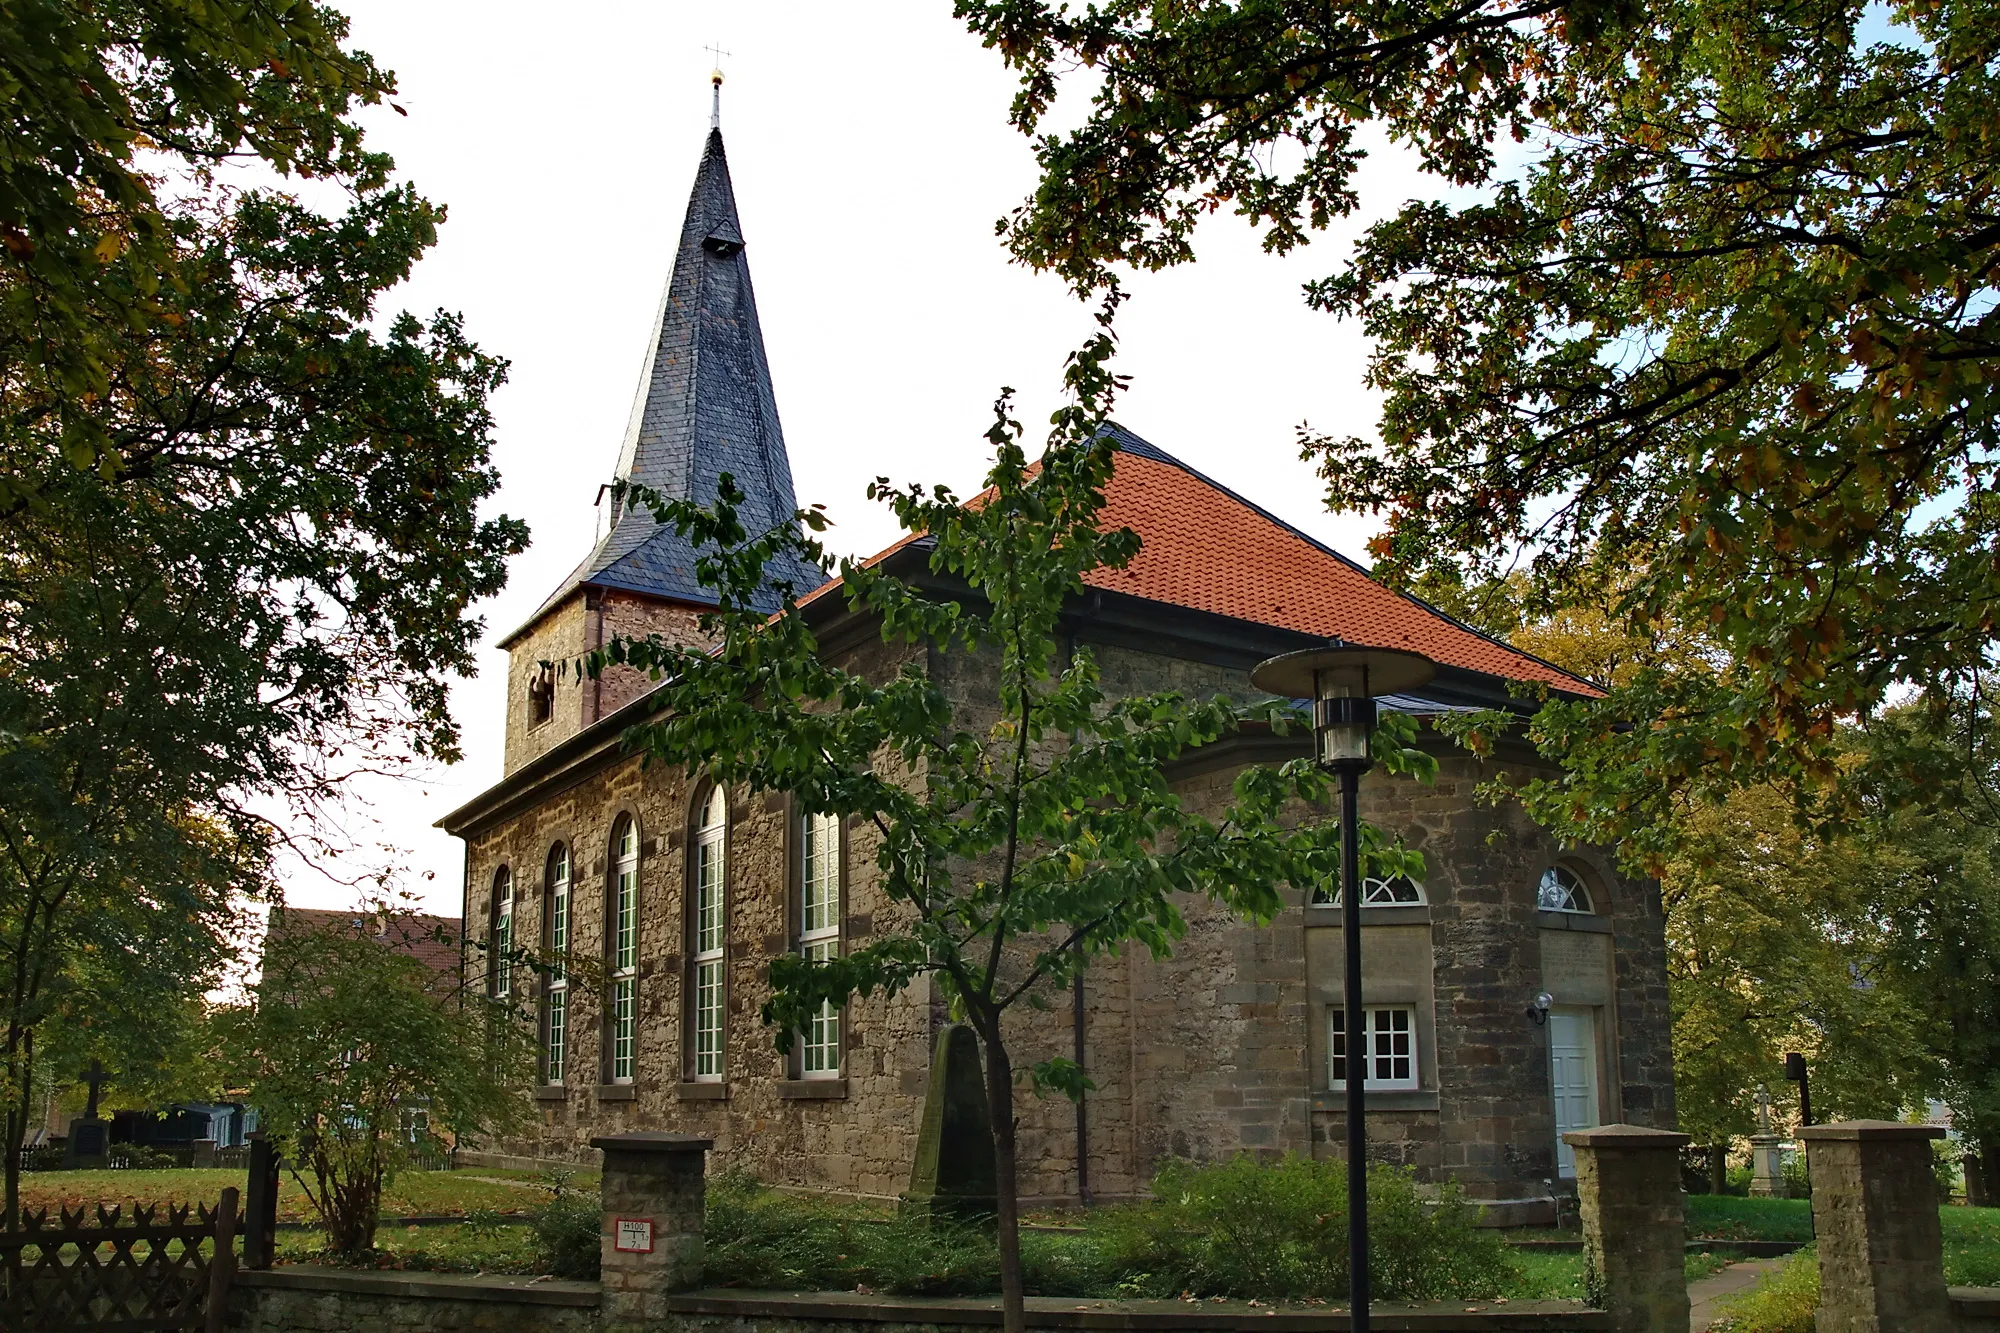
x: 1517, y: 992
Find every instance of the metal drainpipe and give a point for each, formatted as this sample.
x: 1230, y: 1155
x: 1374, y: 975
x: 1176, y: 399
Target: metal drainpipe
x: 1083, y: 1192
x: 597, y: 681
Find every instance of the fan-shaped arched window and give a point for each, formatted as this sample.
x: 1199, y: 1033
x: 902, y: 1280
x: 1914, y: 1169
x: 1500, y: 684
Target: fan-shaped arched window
x: 1563, y: 890
x: 710, y: 887
x: 623, y: 946
x: 501, y: 936
x: 1402, y: 891
x: 555, y: 995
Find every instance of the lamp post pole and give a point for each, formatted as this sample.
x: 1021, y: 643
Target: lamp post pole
x: 1357, y: 1049
x: 1343, y: 681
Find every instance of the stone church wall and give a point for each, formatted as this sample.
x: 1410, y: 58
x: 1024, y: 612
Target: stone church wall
x: 580, y: 624
x: 1217, y: 1050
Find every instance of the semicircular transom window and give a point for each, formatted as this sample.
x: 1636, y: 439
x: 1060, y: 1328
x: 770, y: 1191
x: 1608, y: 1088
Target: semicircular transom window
x: 1563, y: 890
x: 1402, y: 891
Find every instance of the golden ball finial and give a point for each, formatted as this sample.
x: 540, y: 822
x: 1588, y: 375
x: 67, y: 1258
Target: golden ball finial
x: 715, y: 77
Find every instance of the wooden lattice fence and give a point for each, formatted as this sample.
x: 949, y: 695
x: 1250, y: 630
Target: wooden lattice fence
x: 167, y: 1267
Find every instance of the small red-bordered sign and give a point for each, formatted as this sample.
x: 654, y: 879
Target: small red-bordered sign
x: 632, y: 1235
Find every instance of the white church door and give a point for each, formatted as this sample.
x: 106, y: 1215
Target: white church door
x: 1573, y: 1074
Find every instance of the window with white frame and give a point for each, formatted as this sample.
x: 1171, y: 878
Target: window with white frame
x: 710, y: 878
x: 623, y: 939
x: 555, y: 1000
x: 501, y: 937
x: 1563, y: 890
x: 1390, y: 1042
x: 819, y: 935
x: 1402, y: 891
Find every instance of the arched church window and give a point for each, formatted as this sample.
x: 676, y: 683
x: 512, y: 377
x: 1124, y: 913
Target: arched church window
x: 555, y: 995
x: 1400, y: 891
x: 819, y: 935
x: 1563, y: 890
x: 500, y: 938
x: 623, y: 939
x: 710, y: 885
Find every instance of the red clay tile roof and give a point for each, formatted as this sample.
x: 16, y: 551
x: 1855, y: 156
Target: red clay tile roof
x: 432, y: 940
x: 1204, y: 547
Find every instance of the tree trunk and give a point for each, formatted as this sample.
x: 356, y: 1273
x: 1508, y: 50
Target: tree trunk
x: 1006, y: 1196
x: 1982, y: 1175
x: 1718, y: 1169
x: 21, y: 1064
x: 352, y: 1195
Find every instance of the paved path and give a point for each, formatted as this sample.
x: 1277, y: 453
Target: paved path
x: 1705, y: 1295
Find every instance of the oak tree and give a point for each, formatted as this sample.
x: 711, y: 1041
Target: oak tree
x: 1704, y: 308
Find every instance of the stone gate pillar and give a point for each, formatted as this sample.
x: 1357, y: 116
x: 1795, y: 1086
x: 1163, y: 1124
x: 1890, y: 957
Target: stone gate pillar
x: 654, y: 1194
x: 1875, y: 1212
x: 1628, y: 1188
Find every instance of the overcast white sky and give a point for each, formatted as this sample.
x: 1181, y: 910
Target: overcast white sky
x: 871, y: 157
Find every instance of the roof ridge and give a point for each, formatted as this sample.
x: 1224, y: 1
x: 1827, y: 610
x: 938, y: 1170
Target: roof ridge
x: 1120, y: 434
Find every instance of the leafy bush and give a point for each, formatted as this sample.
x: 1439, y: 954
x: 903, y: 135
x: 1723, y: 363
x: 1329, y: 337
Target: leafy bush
x: 755, y: 1236
x: 1236, y: 1229
x: 1279, y: 1231
x: 1782, y: 1303
x: 567, y: 1230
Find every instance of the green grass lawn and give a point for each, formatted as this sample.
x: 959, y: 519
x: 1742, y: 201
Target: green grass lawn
x: 1726, y: 1217
x: 414, y: 1193
x: 461, y: 1248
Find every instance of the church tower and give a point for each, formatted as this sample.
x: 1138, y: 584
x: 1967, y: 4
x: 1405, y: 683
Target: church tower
x: 705, y: 407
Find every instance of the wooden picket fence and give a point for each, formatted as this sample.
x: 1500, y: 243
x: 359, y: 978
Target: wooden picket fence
x: 167, y: 1268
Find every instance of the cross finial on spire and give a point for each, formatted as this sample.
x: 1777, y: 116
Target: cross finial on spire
x: 715, y: 79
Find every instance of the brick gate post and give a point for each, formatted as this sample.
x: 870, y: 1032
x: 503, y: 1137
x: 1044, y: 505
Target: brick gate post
x: 1875, y: 1212
x: 651, y: 1242
x: 1628, y: 1188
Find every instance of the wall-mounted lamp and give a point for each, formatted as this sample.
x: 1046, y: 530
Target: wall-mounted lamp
x: 1539, y: 1010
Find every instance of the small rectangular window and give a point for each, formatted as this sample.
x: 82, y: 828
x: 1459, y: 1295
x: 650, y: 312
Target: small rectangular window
x: 819, y: 936
x: 1390, y: 1043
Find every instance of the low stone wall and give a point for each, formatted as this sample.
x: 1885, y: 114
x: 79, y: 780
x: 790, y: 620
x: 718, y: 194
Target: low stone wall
x: 304, y: 1298
x: 1975, y: 1309
x: 308, y: 1299
x: 850, y: 1312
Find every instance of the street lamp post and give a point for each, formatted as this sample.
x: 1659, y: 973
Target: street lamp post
x: 1343, y: 681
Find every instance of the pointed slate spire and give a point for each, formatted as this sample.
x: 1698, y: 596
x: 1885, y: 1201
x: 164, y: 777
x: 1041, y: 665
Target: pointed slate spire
x: 705, y: 407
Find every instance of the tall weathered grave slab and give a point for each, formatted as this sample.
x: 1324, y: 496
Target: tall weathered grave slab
x: 953, y: 1174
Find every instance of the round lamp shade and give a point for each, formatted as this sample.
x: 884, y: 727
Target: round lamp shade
x: 1390, y: 670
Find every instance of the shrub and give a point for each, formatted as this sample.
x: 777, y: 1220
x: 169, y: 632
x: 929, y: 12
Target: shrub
x: 1782, y: 1303
x: 567, y: 1230
x: 1279, y: 1231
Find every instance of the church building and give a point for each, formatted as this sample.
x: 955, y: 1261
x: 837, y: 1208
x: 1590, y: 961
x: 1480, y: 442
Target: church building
x: 1519, y: 991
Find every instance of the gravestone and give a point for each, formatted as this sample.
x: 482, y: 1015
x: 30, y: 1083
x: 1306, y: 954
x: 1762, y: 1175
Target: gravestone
x: 953, y: 1175
x: 89, y: 1138
x: 1767, y: 1152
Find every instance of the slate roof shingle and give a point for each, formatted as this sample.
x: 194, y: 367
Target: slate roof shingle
x: 705, y: 407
